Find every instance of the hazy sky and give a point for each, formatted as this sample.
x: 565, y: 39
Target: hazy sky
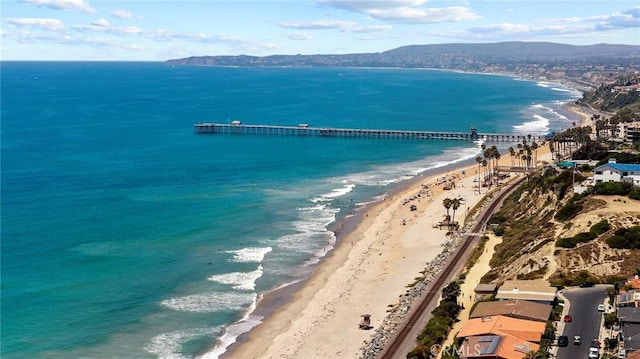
x: 160, y: 30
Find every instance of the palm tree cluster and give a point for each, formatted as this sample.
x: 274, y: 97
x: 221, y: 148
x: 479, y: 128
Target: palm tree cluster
x: 562, y: 143
x: 454, y: 204
x: 608, y: 127
x: 527, y: 154
x: 490, y: 157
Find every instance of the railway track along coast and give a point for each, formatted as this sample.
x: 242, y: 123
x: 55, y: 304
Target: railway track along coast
x: 404, y: 339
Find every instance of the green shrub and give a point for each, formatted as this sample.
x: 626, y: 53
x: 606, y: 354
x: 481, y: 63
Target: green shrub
x: 499, y: 231
x: 613, y: 188
x: 584, y: 237
x: 565, y: 243
x: 618, y: 242
x: 610, y: 319
x: 628, y: 238
x: 635, y: 194
x: 497, y: 218
x: 600, y: 227
x: 568, y: 211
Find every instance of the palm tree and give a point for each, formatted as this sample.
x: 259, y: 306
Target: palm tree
x: 447, y: 204
x: 534, y: 147
x: 455, y: 204
x: 495, y: 154
x: 512, y: 152
x: 484, y: 164
x: 479, y: 162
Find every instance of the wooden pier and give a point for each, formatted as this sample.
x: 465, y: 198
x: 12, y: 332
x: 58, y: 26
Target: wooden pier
x: 237, y: 128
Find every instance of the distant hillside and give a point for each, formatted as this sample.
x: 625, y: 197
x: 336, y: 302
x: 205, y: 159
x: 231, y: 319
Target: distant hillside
x: 518, y: 49
x: 582, y: 66
x: 493, y: 57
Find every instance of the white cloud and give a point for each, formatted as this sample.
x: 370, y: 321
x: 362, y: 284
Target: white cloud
x: 404, y: 11
x: 370, y: 29
x: 104, y: 27
x: 365, y: 6
x: 101, y: 23
x: 79, y: 5
x: 554, y: 27
x: 344, y: 26
x: 122, y: 14
x: 318, y: 24
x: 39, y: 23
x: 425, y: 16
x: 300, y: 36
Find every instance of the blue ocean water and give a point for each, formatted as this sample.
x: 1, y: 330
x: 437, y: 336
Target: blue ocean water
x: 124, y: 234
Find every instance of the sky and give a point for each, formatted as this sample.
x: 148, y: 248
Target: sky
x: 159, y: 30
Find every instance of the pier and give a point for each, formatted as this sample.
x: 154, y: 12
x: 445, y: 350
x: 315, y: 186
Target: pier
x: 238, y: 128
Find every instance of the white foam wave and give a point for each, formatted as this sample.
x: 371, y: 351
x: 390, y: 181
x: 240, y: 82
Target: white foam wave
x: 239, y: 280
x: 543, y: 118
x: 250, y: 254
x: 539, y: 124
x: 554, y: 86
x: 234, y: 330
x: 169, y: 345
x: 335, y: 193
x: 210, y: 302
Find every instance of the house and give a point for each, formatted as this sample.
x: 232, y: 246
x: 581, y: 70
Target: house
x: 617, y: 172
x: 537, y: 291
x: 484, y: 291
x: 499, y: 337
x: 633, y: 283
x: 629, y: 298
x: 495, y: 346
x: 629, y: 318
x: 526, y: 330
x: 520, y: 309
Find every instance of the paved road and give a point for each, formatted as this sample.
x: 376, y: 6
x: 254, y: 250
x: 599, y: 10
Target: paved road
x: 583, y: 304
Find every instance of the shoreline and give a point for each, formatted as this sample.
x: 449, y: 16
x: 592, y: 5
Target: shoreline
x: 291, y: 301
x: 293, y: 323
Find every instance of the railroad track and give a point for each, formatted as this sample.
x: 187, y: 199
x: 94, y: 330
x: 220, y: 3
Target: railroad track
x: 391, y: 350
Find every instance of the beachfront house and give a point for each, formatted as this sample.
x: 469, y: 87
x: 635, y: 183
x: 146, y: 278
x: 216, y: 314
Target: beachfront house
x: 484, y: 291
x: 537, y: 291
x: 499, y: 337
x: 617, y: 172
x: 519, y: 309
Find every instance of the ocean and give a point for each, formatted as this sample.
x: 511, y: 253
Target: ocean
x: 127, y: 235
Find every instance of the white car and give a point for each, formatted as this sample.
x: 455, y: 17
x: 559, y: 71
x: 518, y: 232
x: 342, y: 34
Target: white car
x: 593, y: 353
x: 601, y: 307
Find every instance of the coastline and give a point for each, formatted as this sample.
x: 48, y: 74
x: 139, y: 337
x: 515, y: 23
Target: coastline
x: 375, y: 258
x: 340, y: 289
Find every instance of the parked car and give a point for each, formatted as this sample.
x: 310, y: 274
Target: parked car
x: 594, y: 353
x: 563, y: 341
x: 601, y: 307
x: 567, y: 318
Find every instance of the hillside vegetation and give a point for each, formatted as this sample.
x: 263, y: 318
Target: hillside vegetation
x: 548, y: 232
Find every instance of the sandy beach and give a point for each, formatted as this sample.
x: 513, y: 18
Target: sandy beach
x: 370, y: 268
